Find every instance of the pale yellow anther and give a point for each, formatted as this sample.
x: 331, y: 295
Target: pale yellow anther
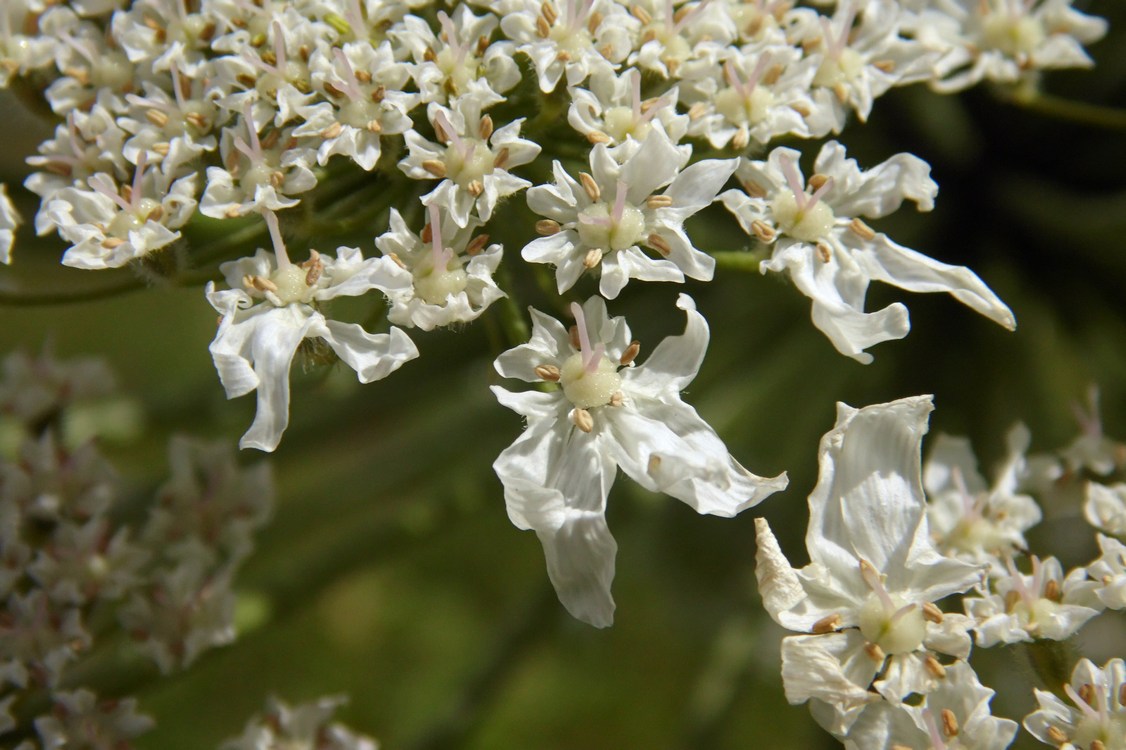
x: 374, y: 126
x: 233, y: 212
x: 630, y: 354
x: 809, y: 45
x: 841, y: 92
x: 763, y: 231
x: 1098, y: 745
x: 741, y: 138
x: 397, y: 260
x: 332, y: 131
x: 617, y: 398
x: 277, y: 178
x: 162, y: 148
x: 1056, y: 735
x: 658, y: 243
x: 801, y: 109
x: 827, y: 624
x: 901, y: 747
x: 563, y: 56
x: 590, y: 186
x: 547, y: 10
x: 109, y: 243
x: 363, y: 76
x: 593, y: 23
x: 582, y: 419
x: 680, y: 13
x: 547, y: 227
x: 886, y: 66
x: 935, y: 667
x: 550, y: 373
x: 697, y: 110
x: 592, y: 258
x: 475, y: 187
x: 658, y: 201
x: 861, y: 230
x: 597, y: 137
x: 875, y: 653
x: 654, y: 464
x: 485, y: 129
x: 753, y: 189
x: 817, y: 181
x: 196, y: 119
x: 772, y: 74
x: 949, y: 723
x: 932, y: 613
x: 156, y: 214
x: 430, y: 55
x: 435, y: 167
x: 501, y: 158
x: 641, y: 14
x: 314, y: 267
x: 1086, y: 691
x: 1012, y: 599
x: 824, y: 252
x: 156, y: 117
x: 476, y: 245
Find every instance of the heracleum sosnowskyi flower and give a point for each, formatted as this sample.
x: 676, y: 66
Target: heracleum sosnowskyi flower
x: 608, y: 413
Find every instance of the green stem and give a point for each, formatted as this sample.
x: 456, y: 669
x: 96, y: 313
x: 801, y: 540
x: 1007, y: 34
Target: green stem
x: 739, y: 260
x: 1084, y: 113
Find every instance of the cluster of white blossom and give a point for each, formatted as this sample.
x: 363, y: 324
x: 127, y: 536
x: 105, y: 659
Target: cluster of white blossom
x: 67, y: 561
x: 881, y: 663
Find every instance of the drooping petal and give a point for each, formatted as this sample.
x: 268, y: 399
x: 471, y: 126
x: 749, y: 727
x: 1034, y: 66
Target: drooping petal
x: 778, y: 584
x: 676, y: 360
x: 372, y: 356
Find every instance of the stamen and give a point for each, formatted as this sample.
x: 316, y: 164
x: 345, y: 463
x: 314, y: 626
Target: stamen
x: 439, y: 254
x: 635, y: 86
x: 138, y: 174
x: 590, y: 356
x: 793, y: 179
x: 279, y: 49
x: 619, y: 201
x: 276, y: 238
x: 817, y: 195
x: 937, y: 742
x: 350, y: 84
x: 1081, y: 704
x: 871, y: 577
x: 104, y: 185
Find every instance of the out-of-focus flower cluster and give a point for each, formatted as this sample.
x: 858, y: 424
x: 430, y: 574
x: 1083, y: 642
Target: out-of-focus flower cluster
x: 881, y: 662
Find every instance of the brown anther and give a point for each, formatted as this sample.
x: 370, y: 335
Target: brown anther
x: 482, y: 45
x: 440, y: 133
x: 277, y: 179
x: 550, y: 373
x: 1086, y: 691
x: 430, y: 55
x: 824, y: 252
x: 934, y: 666
x: 543, y: 28
x: 435, y: 167
x: 949, y: 723
x: 741, y: 139
x: 332, y: 131
x: 617, y: 398
x: 861, y: 230
x: 592, y: 258
x: 763, y: 231
x: 875, y: 653
x: 594, y: 22
x: 54, y: 167
x: 901, y: 747
x: 1056, y: 735
x: 754, y: 27
x: 772, y: 74
x: 582, y: 419
x: 314, y: 267
x: 932, y: 613
x: 1012, y: 598
x: 810, y: 45
x: 269, y: 57
x: 476, y: 245
x: 658, y: 243
x: 485, y: 128
x: 153, y: 24
x: 332, y: 90
x: 427, y: 234
x: 374, y: 126
x: 590, y: 186
x: 397, y: 260
x: 658, y: 201
x: 801, y: 109
x: 841, y: 92
x: 573, y: 333
x: 78, y: 74
x: 475, y: 188
x: 596, y: 137
x: 547, y: 10
x: 563, y: 56
x: 827, y: 624
x: 654, y: 464
x: 753, y: 189
x: 1097, y: 745
x: 303, y: 52
x: 233, y: 212
x: 547, y: 227
x: 697, y: 110
x: 208, y: 32
x: 630, y: 354
x: 887, y: 66
x: 1122, y: 695
x: 817, y: 181
x: 1052, y: 590
x: 109, y: 243
x: 196, y: 119
x: 363, y: 76
x: 378, y: 93
x: 156, y: 117
x: 127, y: 193
x: 156, y: 214
x: 271, y: 139
x: 641, y: 14
x: 501, y: 158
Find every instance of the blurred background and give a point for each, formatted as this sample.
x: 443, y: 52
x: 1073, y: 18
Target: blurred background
x: 391, y: 572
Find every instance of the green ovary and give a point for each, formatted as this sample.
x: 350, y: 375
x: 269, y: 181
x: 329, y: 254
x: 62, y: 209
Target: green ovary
x: 601, y: 232
x: 809, y: 225
x: 840, y: 69
x: 744, y: 110
x: 1012, y: 35
x: 291, y: 285
x: 898, y: 635
x: 434, y: 286
x: 589, y: 389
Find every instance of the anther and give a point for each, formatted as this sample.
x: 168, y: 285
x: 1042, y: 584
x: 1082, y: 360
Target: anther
x: 1087, y: 693
x: 658, y: 201
x: 374, y: 126
x: 475, y: 188
x: 617, y: 398
x: 817, y: 181
x: 582, y: 419
x: 543, y: 28
x: 576, y: 342
x: 485, y: 129
x: 590, y: 186
x: 277, y: 179
x: 592, y: 258
x: 741, y: 139
x: 658, y: 243
x: 1097, y: 745
x: 397, y: 260
x: 753, y: 189
x: 109, y: 243
x: 549, y: 373
x: 824, y: 252
x: 332, y: 131
x: 594, y: 22
x: 156, y: 117
x: 362, y: 76
x: 841, y: 92
x: 653, y: 465
x: 501, y: 158
x: 827, y: 624
x: 435, y: 167
x: 476, y: 245
x: 931, y: 613
x: 547, y: 227
x: 875, y: 653
x: 641, y: 14
x: 1052, y: 590
x: 198, y: 120
x: 887, y: 66
x: 697, y: 110
x: 378, y: 93
x: 156, y: 214
x: 763, y: 231
x: 630, y: 354
x: 1012, y: 598
x: 801, y: 109
x: 547, y: 10
x: 934, y: 666
x: 430, y: 55
x: 949, y: 723
x: 1056, y: 735
x: 427, y: 234
x: 861, y: 230
x: 597, y: 137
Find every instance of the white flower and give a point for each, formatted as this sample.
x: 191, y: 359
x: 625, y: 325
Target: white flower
x: 1043, y: 604
x: 79, y: 719
x: 1110, y: 572
x: 613, y: 112
x: 306, y: 725
x: 9, y: 220
x: 968, y: 519
x: 1099, y: 713
x: 446, y: 289
x: 603, y: 219
x: 832, y: 255
x: 1092, y: 450
x: 867, y: 596
x: 954, y: 716
x: 256, y: 340
x: 1105, y: 508
x: 608, y: 414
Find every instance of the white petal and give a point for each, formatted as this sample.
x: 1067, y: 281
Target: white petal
x: 677, y: 359
x: 778, y: 584
x: 372, y: 356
